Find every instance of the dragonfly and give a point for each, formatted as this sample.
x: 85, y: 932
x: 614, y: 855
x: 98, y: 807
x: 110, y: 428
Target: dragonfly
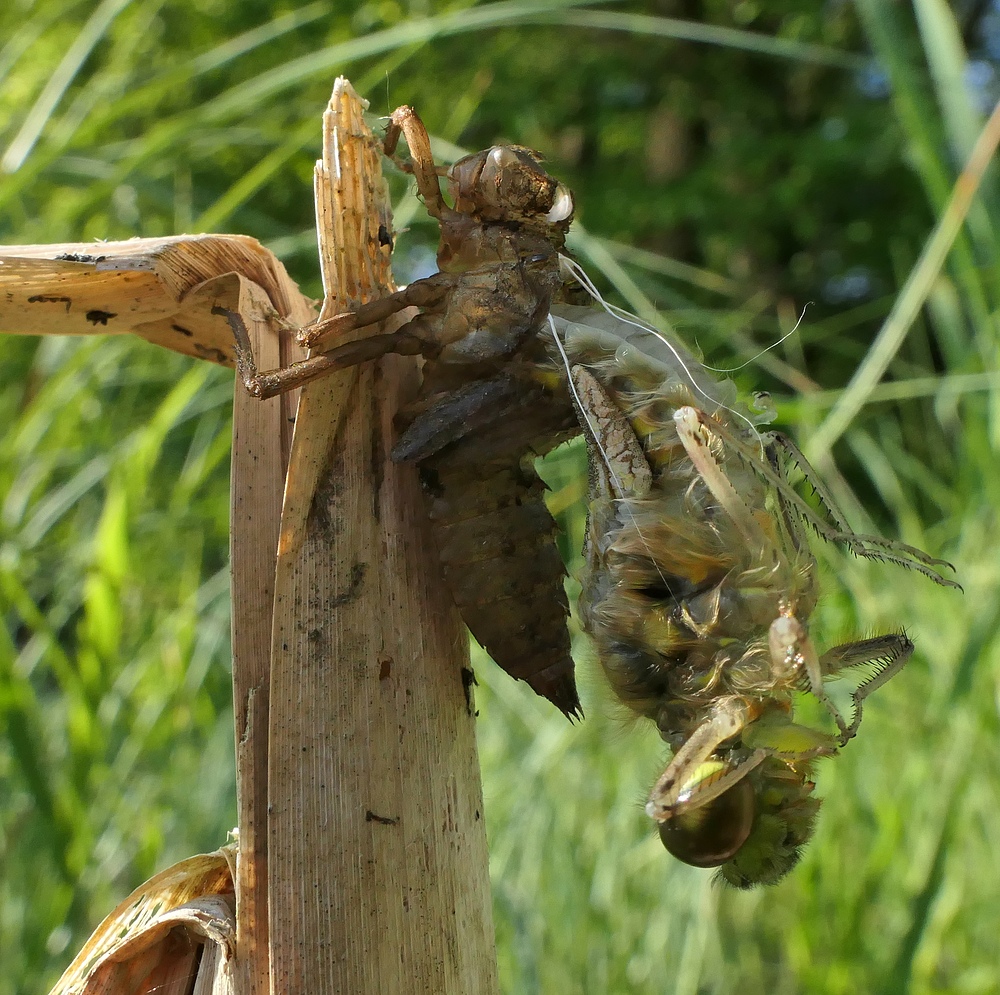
x: 697, y: 590
x: 699, y: 580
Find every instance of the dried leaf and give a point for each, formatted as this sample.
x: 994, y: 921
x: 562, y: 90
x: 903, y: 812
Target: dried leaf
x: 152, y: 938
x: 162, y: 289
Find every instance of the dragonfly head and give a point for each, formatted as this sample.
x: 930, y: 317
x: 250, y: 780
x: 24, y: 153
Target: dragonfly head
x: 754, y: 831
x: 507, y: 183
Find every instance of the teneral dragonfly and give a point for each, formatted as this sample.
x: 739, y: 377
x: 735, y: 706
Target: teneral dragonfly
x: 698, y: 587
x: 699, y: 580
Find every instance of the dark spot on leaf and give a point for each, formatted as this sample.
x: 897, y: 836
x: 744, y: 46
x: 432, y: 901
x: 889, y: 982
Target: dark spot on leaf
x: 45, y: 299
x: 78, y: 257
x: 353, y: 586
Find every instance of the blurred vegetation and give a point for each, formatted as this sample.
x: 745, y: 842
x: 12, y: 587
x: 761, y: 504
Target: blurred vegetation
x: 732, y: 160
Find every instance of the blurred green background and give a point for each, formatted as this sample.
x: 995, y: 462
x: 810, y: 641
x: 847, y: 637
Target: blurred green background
x: 732, y: 161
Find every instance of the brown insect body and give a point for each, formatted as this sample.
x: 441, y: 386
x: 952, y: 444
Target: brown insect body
x: 495, y: 536
x: 481, y: 417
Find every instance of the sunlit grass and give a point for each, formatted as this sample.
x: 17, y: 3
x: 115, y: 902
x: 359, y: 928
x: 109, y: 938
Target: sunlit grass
x: 114, y: 688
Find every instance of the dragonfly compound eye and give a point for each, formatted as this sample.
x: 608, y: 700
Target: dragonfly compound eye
x: 711, y: 834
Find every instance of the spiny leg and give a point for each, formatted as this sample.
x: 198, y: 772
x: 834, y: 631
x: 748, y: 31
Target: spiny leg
x: 681, y: 787
x: 696, y: 435
x: 424, y: 293
x: 793, y: 654
x: 888, y: 654
x: 845, y: 532
x: 404, y: 120
x: 873, y: 547
x: 428, y: 293
x: 792, y: 648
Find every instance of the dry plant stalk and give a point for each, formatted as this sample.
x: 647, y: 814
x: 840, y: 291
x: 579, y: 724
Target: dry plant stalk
x: 161, y: 289
x: 164, y: 290
x: 377, y: 850
x: 261, y: 443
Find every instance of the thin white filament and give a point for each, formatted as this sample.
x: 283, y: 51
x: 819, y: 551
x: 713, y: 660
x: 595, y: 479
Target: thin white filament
x: 630, y: 319
x: 765, y: 350
x: 579, y: 404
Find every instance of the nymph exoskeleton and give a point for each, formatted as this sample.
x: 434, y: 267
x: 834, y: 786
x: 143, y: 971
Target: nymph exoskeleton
x: 482, y: 415
x: 698, y: 588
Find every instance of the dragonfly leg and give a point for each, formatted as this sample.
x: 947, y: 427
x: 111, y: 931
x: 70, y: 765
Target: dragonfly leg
x: 697, y: 774
x: 792, y: 651
x: 428, y: 294
x: 832, y: 528
x: 699, y: 441
x: 794, y: 656
x: 884, y: 655
x: 680, y: 787
x: 404, y: 120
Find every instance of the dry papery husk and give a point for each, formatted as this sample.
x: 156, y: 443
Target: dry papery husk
x: 176, y: 933
x: 161, y: 289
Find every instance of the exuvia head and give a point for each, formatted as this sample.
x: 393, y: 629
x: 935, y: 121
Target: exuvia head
x: 506, y: 183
